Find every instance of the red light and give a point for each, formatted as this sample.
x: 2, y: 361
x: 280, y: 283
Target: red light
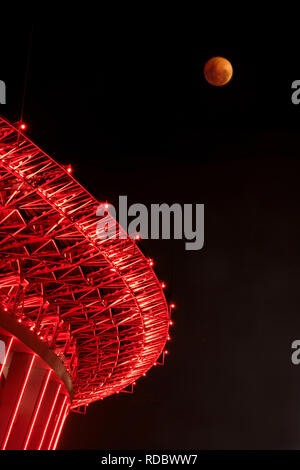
x: 5, y: 309
x: 166, y: 352
x: 49, y: 417
x: 61, y: 426
x: 18, y: 403
x: 57, y: 422
x: 172, y: 306
x: 23, y: 126
x: 37, y: 409
x: 171, y: 323
x: 130, y: 288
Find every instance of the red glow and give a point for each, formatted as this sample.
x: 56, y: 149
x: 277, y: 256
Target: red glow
x: 163, y: 285
x: 172, y: 306
x: 18, y: 403
x: 61, y: 426
x: 74, y: 272
x: 23, y: 126
x: 49, y: 417
x: 37, y: 409
x: 57, y: 421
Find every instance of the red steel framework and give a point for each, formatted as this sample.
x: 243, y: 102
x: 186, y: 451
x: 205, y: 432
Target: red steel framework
x: 82, y: 315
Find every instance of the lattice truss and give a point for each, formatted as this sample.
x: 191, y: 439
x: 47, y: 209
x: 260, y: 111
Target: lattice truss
x: 96, y: 303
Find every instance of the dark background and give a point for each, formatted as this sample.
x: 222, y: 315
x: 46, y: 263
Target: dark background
x: 127, y: 105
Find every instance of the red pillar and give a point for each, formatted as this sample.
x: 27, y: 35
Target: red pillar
x: 34, y: 401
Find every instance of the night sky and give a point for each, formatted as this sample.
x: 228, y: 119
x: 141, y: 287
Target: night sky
x: 129, y: 108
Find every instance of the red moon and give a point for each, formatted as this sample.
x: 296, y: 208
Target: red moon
x: 218, y: 71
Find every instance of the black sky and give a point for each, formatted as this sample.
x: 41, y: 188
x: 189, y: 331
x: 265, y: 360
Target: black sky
x: 129, y: 108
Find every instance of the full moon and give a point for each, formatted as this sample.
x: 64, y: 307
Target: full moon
x: 218, y: 71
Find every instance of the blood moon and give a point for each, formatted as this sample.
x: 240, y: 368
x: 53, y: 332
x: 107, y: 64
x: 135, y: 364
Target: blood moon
x: 218, y: 71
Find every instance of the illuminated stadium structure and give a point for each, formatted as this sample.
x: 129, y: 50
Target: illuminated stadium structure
x: 81, y: 317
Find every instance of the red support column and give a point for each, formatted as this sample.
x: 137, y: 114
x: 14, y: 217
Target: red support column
x: 34, y: 402
x: 17, y: 406
x: 37, y: 409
